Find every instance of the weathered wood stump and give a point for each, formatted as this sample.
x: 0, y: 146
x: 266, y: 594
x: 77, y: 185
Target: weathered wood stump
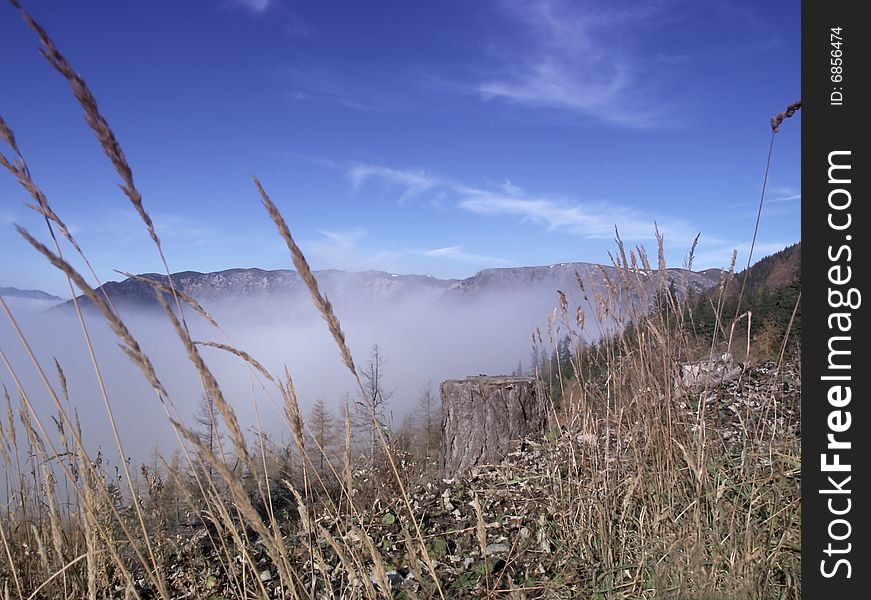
x: 483, y: 417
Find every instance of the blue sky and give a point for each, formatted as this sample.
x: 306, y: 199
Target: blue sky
x: 413, y: 137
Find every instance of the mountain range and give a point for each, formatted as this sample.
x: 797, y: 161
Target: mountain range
x: 382, y: 287
x: 11, y: 292
x: 29, y: 299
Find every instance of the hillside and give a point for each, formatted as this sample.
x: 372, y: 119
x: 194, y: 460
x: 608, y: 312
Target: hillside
x: 779, y: 270
x: 770, y: 296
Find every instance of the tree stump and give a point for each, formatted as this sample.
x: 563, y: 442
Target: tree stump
x: 483, y: 417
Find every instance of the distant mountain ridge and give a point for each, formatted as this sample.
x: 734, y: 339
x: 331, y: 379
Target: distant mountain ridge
x: 254, y: 282
x: 380, y: 286
x: 11, y: 292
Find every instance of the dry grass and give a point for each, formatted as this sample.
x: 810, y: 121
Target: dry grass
x: 641, y: 494
x: 675, y: 500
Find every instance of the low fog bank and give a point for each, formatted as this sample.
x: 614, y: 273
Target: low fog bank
x: 423, y: 338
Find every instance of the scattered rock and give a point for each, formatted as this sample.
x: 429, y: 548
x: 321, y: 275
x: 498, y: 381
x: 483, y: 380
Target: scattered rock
x: 494, y: 548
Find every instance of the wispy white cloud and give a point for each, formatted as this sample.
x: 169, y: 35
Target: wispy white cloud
x: 458, y: 253
x: 591, y: 220
x: 566, y: 58
x: 594, y: 220
x: 415, y: 182
x: 345, y: 240
x: 783, y: 194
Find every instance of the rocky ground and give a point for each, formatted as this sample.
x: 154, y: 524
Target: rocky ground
x: 493, y: 530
